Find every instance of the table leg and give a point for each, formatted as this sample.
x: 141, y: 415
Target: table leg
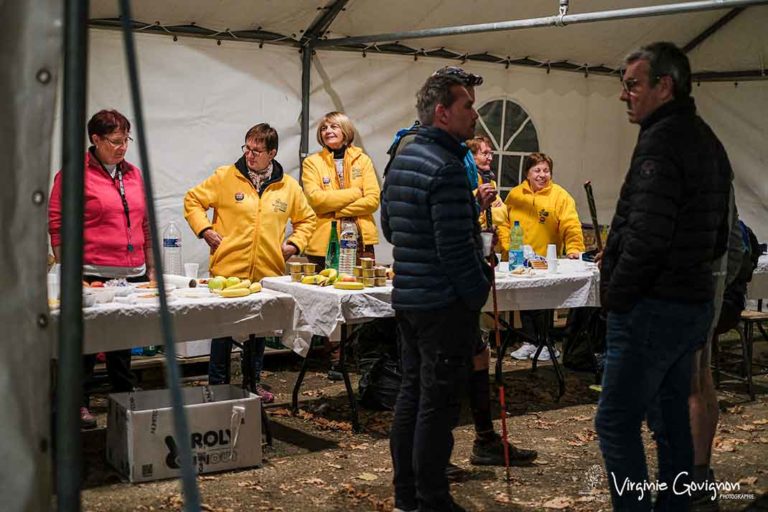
x: 299, y: 380
x: 544, y: 340
x: 347, y: 384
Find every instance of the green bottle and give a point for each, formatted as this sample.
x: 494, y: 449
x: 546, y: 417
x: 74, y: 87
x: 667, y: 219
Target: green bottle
x: 332, y: 254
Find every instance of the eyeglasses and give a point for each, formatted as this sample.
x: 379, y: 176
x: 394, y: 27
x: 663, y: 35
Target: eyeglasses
x: 469, y: 79
x: 486, y: 153
x: 255, y: 152
x: 629, y: 84
x: 118, y: 143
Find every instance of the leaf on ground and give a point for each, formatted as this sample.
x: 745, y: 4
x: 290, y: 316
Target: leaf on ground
x: 558, y: 503
x: 368, y: 477
x: 747, y: 427
x: 736, y: 409
x: 750, y: 480
x: 280, y: 411
x: 761, y: 422
x: 312, y: 481
x: 502, y: 497
x: 334, y: 466
x: 581, y: 418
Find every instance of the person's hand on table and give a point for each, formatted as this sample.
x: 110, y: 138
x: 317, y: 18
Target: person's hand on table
x: 212, y: 238
x: 289, y: 250
x: 572, y: 256
x: 486, y: 195
x: 599, y: 259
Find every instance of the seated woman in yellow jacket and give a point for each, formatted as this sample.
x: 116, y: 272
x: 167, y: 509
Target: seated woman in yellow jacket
x: 482, y: 151
x: 340, y: 183
x: 547, y: 214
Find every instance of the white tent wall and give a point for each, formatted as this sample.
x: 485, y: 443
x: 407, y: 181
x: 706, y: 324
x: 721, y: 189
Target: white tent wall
x: 201, y: 97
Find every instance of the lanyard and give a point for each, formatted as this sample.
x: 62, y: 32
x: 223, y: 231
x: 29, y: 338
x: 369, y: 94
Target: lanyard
x: 121, y: 191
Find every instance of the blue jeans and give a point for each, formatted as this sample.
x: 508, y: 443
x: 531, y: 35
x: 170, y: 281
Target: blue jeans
x: 436, y: 360
x: 219, y: 364
x: 648, y: 365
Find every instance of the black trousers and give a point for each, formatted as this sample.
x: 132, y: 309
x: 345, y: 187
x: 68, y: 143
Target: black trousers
x: 121, y: 378
x: 437, y: 348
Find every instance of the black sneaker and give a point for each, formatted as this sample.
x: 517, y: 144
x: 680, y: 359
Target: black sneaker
x: 701, y: 500
x: 491, y: 453
x: 454, y: 473
x: 334, y: 374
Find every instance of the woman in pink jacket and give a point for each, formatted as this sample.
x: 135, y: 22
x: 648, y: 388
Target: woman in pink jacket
x: 116, y: 240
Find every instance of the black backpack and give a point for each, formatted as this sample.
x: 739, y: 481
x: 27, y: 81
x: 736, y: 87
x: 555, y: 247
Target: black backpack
x: 378, y: 348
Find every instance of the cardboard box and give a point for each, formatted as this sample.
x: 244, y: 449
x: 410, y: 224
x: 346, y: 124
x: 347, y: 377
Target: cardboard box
x: 224, y: 424
x: 193, y: 348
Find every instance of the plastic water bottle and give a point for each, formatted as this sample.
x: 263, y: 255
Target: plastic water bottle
x: 172, y: 249
x: 516, y: 257
x: 348, y: 247
x: 332, y: 253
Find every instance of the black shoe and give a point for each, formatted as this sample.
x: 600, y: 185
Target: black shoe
x: 491, y: 453
x: 701, y: 500
x: 334, y: 374
x: 454, y: 473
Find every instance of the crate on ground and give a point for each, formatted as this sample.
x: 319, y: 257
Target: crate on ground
x: 193, y: 348
x: 224, y: 425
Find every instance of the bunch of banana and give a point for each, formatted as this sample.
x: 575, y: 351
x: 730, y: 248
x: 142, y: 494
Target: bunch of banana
x: 324, y: 278
x: 241, y: 289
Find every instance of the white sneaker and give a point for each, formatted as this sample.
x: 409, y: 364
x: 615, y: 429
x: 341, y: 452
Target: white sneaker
x: 544, y: 356
x: 525, y: 351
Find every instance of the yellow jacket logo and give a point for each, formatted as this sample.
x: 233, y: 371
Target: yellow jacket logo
x: 543, y: 214
x: 279, y: 205
x: 357, y: 173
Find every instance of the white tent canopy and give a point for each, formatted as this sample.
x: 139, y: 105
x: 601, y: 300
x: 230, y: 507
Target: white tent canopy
x: 234, y: 63
x: 202, y: 93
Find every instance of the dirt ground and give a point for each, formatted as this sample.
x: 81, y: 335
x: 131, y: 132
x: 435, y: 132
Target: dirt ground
x: 318, y: 463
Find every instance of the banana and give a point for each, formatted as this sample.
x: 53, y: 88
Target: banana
x: 254, y: 288
x: 348, y: 285
x: 330, y: 273
x: 308, y: 280
x: 245, y: 283
x: 321, y: 280
x: 234, y: 292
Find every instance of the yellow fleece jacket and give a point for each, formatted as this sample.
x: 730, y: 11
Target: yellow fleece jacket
x: 500, y: 218
x: 252, y: 226
x: 358, y: 197
x: 547, y: 217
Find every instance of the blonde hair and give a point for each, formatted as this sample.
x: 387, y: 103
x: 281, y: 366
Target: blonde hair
x: 474, y: 143
x: 537, y: 158
x: 347, y: 129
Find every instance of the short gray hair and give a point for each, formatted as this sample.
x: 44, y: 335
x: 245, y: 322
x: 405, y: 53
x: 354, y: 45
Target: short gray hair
x: 665, y: 59
x: 436, y: 90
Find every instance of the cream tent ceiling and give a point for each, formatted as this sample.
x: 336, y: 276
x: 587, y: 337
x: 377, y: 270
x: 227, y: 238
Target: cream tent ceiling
x: 741, y: 45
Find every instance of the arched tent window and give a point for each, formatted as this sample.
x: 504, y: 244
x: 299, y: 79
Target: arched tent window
x: 513, y: 134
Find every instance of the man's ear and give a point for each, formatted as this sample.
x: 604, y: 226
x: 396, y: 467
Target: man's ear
x: 440, y: 113
x: 668, y: 86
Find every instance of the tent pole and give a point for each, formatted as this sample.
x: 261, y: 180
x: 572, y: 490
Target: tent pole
x: 70, y: 381
x: 306, y: 65
x: 568, y: 19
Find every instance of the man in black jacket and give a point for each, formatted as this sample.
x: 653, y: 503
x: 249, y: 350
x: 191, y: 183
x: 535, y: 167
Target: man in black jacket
x: 670, y: 224
x: 441, y: 283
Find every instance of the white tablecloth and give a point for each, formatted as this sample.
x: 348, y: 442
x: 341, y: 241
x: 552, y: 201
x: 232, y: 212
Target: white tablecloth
x: 114, y: 326
x: 322, y: 310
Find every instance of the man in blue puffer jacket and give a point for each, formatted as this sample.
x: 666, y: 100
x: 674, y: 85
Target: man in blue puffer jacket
x: 441, y: 283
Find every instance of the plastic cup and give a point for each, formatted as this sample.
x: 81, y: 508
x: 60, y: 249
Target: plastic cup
x: 190, y: 270
x: 552, y: 258
x: 53, y: 285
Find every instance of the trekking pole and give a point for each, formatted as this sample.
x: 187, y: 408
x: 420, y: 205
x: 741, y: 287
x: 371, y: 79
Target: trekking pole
x: 593, y: 213
x: 497, y: 333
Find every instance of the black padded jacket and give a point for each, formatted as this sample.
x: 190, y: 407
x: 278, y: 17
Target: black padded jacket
x: 428, y: 215
x: 671, y: 219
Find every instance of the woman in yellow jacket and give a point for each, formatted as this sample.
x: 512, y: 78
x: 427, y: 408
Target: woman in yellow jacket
x: 340, y: 183
x: 482, y: 151
x: 252, y: 202
x: 547, y: 214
